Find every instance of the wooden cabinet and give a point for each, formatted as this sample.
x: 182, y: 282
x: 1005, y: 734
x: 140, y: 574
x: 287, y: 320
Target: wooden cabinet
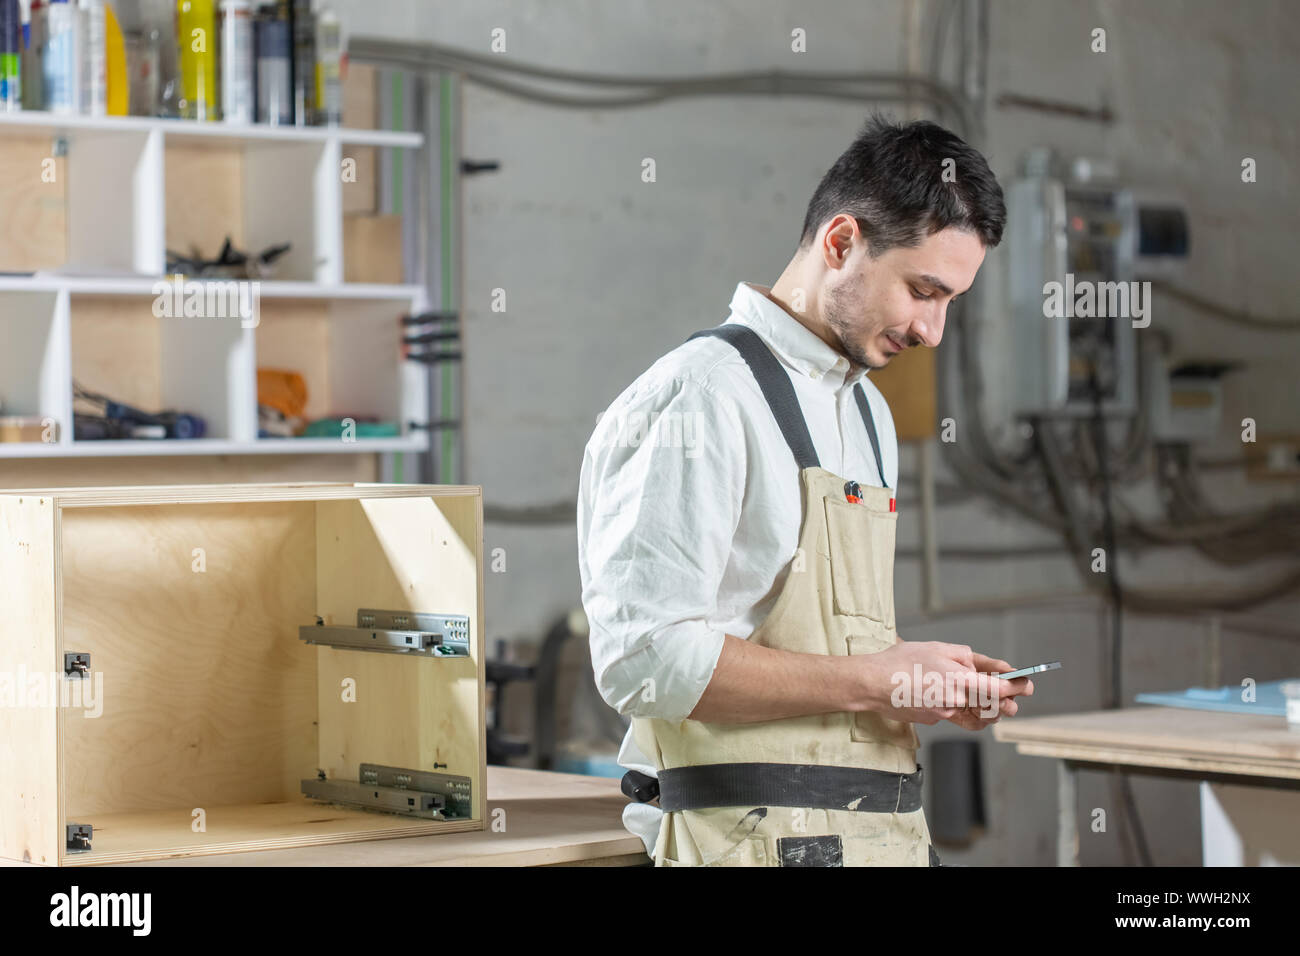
x: 202, y: 709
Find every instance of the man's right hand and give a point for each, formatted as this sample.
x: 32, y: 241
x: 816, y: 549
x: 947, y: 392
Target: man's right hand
x: 952, y: 677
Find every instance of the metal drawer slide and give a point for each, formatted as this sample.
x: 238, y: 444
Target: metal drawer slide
x: 420, y: 793
x: 395, y: 632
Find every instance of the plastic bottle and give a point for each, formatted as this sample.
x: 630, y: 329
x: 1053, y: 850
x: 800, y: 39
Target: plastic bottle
x: 196, y: 31
x: 304, y: 62
x: 159, y: 18
x: 238, y: 94
x: 119, y: 91
x: 61, y: 73
x: 33, y: 57
x: 329, y: 55
x: 92, y: 45
x: 11, y: 50
x: 274, y: 70
x: 153, y: 75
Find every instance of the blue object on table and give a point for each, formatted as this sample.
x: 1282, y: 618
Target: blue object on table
x: 1269, y: 699
x: 591, y: 765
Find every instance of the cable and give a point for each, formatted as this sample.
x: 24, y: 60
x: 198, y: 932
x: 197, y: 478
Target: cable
x: 1116, y: 605
x: 487, y: 70
x: 1199, y: 597
x: 1224, y: 312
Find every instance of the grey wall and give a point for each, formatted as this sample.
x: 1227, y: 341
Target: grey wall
x: 603, y: 273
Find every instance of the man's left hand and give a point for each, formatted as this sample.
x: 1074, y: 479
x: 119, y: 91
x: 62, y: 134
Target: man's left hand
x: 974, y: 717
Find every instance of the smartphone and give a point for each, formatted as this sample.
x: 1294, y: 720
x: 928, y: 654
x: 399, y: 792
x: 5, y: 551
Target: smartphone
x: 1035, y: 669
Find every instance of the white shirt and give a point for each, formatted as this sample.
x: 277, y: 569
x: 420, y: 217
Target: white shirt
x: 689, y: 511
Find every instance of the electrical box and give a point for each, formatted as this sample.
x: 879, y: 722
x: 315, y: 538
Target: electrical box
x: 191, y: 670
x: 1078, y: 244
x: 1187, y: 400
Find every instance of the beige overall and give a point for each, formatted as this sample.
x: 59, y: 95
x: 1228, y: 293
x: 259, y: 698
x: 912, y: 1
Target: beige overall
x: 838, y: 599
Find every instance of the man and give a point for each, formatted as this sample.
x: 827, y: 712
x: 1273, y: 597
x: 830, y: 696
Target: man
x: 736, y: 534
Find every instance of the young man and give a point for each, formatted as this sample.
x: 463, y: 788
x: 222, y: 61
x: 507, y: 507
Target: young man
x: 736, y: 520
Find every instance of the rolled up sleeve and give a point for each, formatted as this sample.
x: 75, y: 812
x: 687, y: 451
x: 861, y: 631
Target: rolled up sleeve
x: 660, y: 493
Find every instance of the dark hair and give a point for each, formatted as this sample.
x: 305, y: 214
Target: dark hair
x: 891, y: 181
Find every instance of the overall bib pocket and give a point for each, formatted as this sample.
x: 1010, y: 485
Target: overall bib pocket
x: 869, y: 725
x: 861, y: 543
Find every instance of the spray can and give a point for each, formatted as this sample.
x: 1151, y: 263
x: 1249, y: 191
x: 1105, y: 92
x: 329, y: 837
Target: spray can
x: 33, y: 57
x: 33, y: 52
x: 61, y: 73
x: 93, y: 32
x: 237, y: 86
x: 196, y: 27
x: 11, y: 47
x: 274, y: 70
x: 329, y: 55
x: 304, y: 62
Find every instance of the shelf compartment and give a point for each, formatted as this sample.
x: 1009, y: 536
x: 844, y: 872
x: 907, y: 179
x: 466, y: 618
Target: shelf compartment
x: 34, y: 361
x: 202, y: 366
x: 33, y: 209
x: 349, y: 353
x: 59, y: 211
x: 260, y: 194
x: 117, y: 226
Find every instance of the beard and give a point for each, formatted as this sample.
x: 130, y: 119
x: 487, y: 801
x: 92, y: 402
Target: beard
x: 839, y: 306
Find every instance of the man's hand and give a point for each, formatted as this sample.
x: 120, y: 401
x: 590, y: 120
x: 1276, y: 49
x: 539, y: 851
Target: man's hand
x: 969, y: 680
x: 972, y: 718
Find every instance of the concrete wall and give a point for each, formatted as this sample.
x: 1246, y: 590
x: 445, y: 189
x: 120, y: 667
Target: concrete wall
x: 603, y: 273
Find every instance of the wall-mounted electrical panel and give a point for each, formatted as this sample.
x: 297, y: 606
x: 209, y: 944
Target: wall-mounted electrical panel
x: 1079, y: 244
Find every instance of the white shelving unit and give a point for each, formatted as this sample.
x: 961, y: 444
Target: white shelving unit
x: 95, y: 319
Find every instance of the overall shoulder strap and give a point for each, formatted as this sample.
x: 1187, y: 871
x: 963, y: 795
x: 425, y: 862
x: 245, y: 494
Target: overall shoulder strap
x: 864, y: 406
x: 776, y: 387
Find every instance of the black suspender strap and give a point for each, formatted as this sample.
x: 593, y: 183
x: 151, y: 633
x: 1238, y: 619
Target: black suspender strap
x: 776, y: 387
x: 779, y: 392
x: 865, y: 408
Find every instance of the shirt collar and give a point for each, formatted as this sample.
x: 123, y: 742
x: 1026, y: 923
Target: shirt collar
x: 794, y: 343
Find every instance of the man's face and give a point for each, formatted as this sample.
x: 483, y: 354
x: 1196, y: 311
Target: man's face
x: 878, y: 307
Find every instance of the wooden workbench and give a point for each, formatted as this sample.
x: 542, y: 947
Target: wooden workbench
x: 1168, y: 741
x: 548, y: 819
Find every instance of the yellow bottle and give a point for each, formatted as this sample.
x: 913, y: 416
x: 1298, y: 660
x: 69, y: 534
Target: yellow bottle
x: 196, y: 34
x: 115, y: 57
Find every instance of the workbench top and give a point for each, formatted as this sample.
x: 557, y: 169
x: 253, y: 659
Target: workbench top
x: 1171, y: 737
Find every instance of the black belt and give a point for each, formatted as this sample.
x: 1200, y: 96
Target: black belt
x: 815, y: 786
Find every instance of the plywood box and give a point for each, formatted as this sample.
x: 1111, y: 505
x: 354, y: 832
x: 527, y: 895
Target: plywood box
x: 203, y: 711
x: 372, y: 249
